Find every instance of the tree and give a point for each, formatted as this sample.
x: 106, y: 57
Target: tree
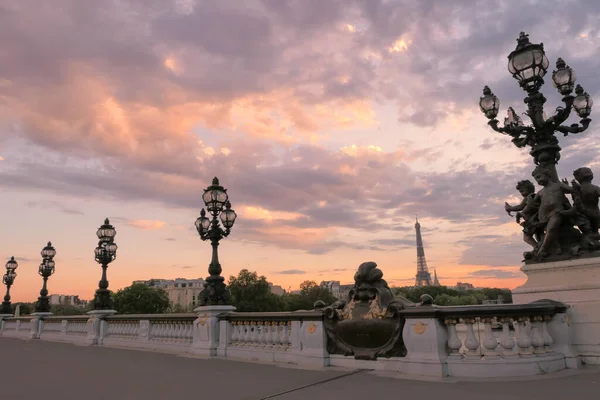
x: 25, y: 309
x: 67, y: 309
x: 445, y: 296
x: 141, y: 299
x: 251, y: 292
x: 310, y: 292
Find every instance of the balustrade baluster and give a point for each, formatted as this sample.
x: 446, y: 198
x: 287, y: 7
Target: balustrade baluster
x: 250, y: 328
x: 269, y: 336
x: 471, y: 342
x: 507, y: 342
x: 280, y: 334
x: 454, y: 342
x: 259, y: 334
x: 260, y: 325
x: 523, y: 339
x: 175, y: 325
x: 548, y: 340
x: 490, y: 343
x: 234, y: 333
x: 288, y: 333
x: 246, y: 333
x: 537, y: 340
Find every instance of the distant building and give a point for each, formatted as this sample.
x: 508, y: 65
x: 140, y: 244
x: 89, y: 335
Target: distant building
x: 345, y: 290
x: 333, y: 287
x: 71, y: 300
x: 337, y: 290
x: 464, y: 286
x: 276, y: 289
x: 181, y: 291
x: 435, y: 278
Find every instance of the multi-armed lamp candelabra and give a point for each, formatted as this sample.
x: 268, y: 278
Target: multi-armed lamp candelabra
x: 105, y: 253
x: 8, y: 279
x: 218, y: 206
x: 45, y: 270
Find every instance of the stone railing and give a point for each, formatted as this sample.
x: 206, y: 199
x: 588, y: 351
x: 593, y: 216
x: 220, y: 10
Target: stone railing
x: 533, y: 339
x: 15, y: 327
x: 287, y: 337
x: 167, y: 332
x: 467, y: 341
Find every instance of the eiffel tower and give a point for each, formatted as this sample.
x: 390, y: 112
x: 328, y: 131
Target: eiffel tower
x: 423, y: 277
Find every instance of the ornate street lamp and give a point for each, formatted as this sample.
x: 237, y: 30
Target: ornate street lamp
x: 528, y: 65
x: 45, y: 270
x: 105, y: 253
x: 8, y: 279
x: 217, y: 203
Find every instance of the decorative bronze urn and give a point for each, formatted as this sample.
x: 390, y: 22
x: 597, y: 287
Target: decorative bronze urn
x: 366, y: 324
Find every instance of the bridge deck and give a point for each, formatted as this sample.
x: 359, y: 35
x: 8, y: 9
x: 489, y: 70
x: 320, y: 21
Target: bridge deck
x: 46, y: 370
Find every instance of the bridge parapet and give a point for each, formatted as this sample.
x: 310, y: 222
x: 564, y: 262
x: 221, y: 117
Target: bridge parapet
x: 466, y: 341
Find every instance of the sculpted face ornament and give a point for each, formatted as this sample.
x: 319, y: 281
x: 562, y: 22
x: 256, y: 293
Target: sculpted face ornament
x: 366, y: 324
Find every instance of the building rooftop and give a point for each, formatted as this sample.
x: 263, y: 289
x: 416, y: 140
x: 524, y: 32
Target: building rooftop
x: 131, y: 374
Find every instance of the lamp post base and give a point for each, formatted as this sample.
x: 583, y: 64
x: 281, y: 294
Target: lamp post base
x: 6, y: 308
x: 103, y: 301
x: 42, y: 305
x: 95, y: 327
x: 215, y: 293
x: 36, y: 326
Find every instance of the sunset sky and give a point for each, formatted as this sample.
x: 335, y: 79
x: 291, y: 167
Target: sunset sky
x: 330, y: 122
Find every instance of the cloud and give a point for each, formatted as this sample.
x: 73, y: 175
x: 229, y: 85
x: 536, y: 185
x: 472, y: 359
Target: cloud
x: 54, y: 205
x: 493, y: 250
x: 141, y: 223
x: 22, y: 259
x: 171, y: 239
x: 290, y: 272
x: 187, y: 266
x: 150, y: 100
x: 495, y: 274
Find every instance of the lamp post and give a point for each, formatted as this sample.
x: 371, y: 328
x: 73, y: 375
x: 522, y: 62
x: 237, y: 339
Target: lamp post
x: 45, y: 270
x: 105, y: 253
x: 528, y: 64
x: 218, y: 206
x: 8, y: 279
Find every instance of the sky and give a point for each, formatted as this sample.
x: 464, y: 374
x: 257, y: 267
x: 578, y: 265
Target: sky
x: 332, y: 123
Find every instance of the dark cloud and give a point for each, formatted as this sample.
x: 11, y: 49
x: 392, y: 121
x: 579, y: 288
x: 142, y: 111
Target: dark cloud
x: 290, y: 272
x: 396, y: 243
x: 493, y: 250
x: 112, y: 126
x: 171, y: 239
x: 495, y: 274
x: 22, y: 259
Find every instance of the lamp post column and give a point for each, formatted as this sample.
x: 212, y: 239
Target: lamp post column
x: 8, y: 279
x: 104, y: 254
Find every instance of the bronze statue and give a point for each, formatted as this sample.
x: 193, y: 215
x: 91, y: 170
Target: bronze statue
x: 586, y: 195
x: 531, y: 231
x: 553, y: 208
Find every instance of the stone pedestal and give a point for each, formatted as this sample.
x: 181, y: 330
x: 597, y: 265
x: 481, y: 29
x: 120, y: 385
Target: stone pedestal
x: 573, y: 282
x: 425, y: 340
x: 95, y: 327
x: 36, y: 323
x: 2, y: 316
x: 207, y: 332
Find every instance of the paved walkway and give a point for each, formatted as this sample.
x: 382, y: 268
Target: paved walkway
x: 46, y: 370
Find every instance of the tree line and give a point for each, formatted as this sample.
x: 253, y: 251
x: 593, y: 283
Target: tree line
x: 252, y: 293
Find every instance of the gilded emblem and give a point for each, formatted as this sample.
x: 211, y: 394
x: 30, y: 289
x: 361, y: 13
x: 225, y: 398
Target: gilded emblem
x: 311, y: 328
x: 419, y: 328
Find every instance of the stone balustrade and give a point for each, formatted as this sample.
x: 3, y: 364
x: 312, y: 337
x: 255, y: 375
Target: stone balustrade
x: 287, y: 337
x: 466, y: 341
x: 498, y: 340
